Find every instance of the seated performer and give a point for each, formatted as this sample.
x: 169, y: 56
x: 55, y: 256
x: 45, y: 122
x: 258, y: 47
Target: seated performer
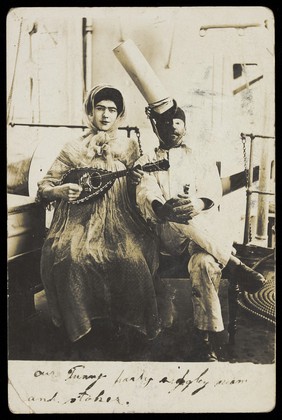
x: 99, y: 259
x: 182, y: 204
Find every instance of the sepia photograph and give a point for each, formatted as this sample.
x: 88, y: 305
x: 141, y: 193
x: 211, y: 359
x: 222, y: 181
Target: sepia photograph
x: 141, y: 210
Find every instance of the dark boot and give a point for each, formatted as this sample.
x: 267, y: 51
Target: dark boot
x: 249, y: 280
x: 202, y: 349
x: 219, y: 341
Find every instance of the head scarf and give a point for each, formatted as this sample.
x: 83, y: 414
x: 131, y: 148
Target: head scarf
x: 97, y: 94
x: 111, y: 94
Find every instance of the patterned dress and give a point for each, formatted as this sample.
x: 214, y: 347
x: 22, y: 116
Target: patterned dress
x: 99, y: 260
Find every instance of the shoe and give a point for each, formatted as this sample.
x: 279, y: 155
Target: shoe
x: 202, y: 351
x: 203, y: 354
x: 249, y: 280
x: 209, y: 356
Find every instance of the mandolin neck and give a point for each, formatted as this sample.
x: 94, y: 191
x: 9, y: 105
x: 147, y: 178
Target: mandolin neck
x: 125, y: 172
x: 121, y: 173
x: 162, y: 165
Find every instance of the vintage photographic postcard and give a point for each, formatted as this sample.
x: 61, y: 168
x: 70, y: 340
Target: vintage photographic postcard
x: 106, y: 291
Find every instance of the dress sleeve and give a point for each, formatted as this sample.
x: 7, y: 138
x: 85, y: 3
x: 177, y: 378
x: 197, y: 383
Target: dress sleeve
x: 131, y: 154
x: 63, y: 162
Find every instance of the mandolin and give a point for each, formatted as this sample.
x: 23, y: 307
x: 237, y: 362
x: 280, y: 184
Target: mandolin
x: 96, y: 181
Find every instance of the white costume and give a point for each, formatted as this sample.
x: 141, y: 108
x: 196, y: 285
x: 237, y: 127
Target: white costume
x: 204, y: 236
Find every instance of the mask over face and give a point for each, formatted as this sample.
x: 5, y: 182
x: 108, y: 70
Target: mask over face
x: 169, y: 126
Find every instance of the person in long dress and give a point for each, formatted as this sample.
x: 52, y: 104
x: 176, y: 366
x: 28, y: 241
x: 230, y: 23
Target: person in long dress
x: 99, y: 260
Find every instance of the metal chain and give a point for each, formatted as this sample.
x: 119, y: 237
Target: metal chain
x: 243, y: 138
x: 139, y: 142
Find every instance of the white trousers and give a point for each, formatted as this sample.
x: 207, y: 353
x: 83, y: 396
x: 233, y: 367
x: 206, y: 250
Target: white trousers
x: 209, y: 254
x: 210, y: 236
x: 205, y: 275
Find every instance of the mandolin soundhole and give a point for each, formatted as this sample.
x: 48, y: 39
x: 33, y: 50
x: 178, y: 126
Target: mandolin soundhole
x: 90, y: 182
x: 96, y: 180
